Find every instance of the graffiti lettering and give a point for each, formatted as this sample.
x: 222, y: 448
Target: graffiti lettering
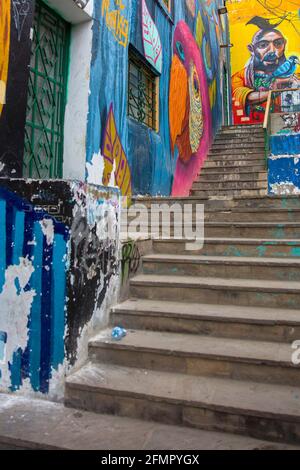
x: 116, y: 22
x: 20, y: 11
x: 131, y: 259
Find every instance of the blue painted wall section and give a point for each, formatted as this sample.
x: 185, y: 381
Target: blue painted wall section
x: 152, y: 164
x: 59, y: 269
x: 22, y: 238
x: 284, y: 161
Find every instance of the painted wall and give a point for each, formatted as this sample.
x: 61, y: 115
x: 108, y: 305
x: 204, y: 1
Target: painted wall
x: 265, y: 53
x: 183, y: 49
x: 15, y: 23
x: 284, y: 161
x: 59, y: 274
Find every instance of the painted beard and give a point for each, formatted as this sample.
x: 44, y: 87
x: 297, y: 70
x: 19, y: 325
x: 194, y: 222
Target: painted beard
x: 270, y: 67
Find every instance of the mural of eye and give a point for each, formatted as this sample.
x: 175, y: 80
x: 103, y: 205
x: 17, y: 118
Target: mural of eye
x: 180, y: 50
x: 196, y: 85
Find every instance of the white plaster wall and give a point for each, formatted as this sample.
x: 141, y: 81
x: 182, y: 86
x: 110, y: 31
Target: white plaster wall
x: 77, y: 102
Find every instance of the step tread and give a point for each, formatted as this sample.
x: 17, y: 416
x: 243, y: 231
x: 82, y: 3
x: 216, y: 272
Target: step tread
x: 241, y: 241
x: 223, y: 260
x: 250, y: 398
x: 54, y: 427
x: 193, y: 311
x: 189, y: 345
x: 217, y: 283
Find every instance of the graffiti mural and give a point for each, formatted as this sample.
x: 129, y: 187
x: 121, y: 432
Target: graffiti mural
x: 116, y: 21
x: 115, y: 159
x: 151, y: 39
x: 179, y: 52
x: 265, y: 55
x: 33, y: 247
x: 81, y: 3
x: 5, y: 48
x: 55, y: 277
x: 189, y: 107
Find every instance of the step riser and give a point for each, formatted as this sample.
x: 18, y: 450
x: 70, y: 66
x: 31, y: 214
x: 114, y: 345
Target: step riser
x: 267, y: 203
x: 200, y: 417
x: 217, y: 163
x: 236, y: 249
x: 230, y: 185
x: 232, y: 170
x: 232, y: 192
x: 196, y: 365
x: 217, y: 328
x: 218, y: 295
x: 268, y: 217
x: 283, y: 273
x: 229, y: 178
x: 253, y: 232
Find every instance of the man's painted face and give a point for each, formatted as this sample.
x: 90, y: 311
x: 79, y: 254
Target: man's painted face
x: 269, y: 48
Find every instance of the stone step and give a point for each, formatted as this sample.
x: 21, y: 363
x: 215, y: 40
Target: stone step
x: 221, y: 156
x: 233, y: 267
x: 260, y: 361
x: 258, y: 146
x: 237, y: 214
x: 238, y: 247
x: 260, y: 230
x: 55, y: 427
x: 249, y: 292
x: 259, y: 410
x: 230, y: 177
x: 229, y: 321
x: 233, y: 170
x: 242, y: 139
x: 233, y: 192
x: 257, y: 202
x: 203, y: 185
x: 238, y: 151
x: 241, y: 133
x: 243, y: 128
x: 254, y: 215
x: 245, y: 163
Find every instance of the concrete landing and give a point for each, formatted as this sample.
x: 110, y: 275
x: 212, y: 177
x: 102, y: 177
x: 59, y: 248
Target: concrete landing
x: 37, y: 424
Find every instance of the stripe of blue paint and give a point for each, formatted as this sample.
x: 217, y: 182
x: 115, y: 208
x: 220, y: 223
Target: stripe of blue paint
x: 2, y: 243
x: 34, y: 343
x: 15, y: 371
x: 46, y: 333
x: 58, y: 301
x: 10, y: 230
x: 18, y: 237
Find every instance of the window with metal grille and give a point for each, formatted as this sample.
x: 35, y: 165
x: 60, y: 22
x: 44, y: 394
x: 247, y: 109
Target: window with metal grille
x: 142, y: 92
x: 44, y: 132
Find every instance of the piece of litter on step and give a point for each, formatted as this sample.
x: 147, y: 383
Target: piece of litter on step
x: 118, y: 333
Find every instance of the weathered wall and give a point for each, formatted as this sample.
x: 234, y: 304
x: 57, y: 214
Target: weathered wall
x: 15, y: 23
x: 265, y: 37
x: 59, y: 274
x: 284, y: 162
x: 186, y: 55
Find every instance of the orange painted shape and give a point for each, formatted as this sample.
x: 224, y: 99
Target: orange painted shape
x: 4, y: 48
x: 178, y: 99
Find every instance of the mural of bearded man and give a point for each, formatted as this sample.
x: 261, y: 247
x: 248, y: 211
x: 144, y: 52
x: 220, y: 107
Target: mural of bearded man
x: 4, y: 48
x: 268, y: 69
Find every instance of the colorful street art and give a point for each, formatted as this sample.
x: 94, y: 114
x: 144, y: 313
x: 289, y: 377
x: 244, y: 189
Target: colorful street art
x: 265, y: 56
x: 183, y: 46
x: 151, y: 40
x: 33, y: 247
x: 4, y: 48
x: 115, y: 20
x: 115, y: 159
x: 189, y: 107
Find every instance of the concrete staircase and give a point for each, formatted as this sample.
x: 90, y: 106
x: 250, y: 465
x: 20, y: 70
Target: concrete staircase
x: 235, y: 165
x: 210, y: 332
